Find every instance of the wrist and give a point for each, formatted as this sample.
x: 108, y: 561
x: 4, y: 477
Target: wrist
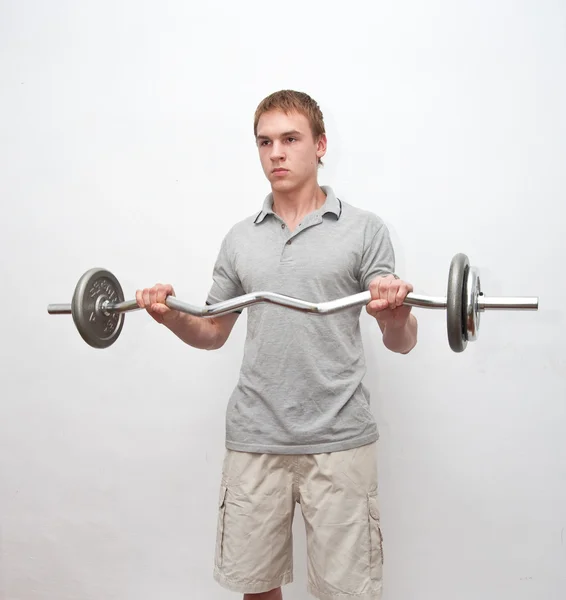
x: 175, y: 320
x: 401, y: 338
x: 392, y: 324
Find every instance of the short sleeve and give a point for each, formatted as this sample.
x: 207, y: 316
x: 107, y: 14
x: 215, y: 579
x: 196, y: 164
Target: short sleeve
x: 225, y: 281
x: 378, y: 256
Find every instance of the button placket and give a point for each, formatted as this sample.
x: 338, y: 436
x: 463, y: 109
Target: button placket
x: 287, y: 235
x: 310, y: 221
x: 287, y: 248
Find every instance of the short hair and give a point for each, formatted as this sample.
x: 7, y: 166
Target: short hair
x: 289, y: 101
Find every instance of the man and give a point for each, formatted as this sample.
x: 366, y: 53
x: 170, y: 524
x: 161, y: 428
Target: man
x: 299, y: 429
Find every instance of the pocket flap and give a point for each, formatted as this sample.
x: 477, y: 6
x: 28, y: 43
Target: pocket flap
x: 373, y: 506
x: 222, y: 496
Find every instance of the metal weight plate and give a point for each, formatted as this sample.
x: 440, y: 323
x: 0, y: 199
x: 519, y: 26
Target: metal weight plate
x: 472, y: 292
x: 455, y: 319
x: 97, y: 328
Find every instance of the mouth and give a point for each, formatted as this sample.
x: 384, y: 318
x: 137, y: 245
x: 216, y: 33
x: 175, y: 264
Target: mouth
x: 279, y: 171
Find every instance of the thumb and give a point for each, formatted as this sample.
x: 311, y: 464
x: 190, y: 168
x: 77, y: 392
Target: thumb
x: 376, y: 306
x: 159, y: 309
x: 379, y: 304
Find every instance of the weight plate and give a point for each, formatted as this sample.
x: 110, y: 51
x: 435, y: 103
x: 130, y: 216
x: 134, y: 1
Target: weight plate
x: 472, y: 292
x: 97, y: 328
x: 455, y: 319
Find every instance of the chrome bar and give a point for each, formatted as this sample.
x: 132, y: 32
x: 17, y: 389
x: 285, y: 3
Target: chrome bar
x: 507, y: 303
x: 120, y: 307
x: 425, y: 301
x: 323, y: 308
x: 228, y: 306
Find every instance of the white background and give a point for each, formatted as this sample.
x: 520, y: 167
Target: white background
x: 126, y: 143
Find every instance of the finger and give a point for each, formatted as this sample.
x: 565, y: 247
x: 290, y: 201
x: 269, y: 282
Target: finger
x: 392, y: 295
x: 166, y: 290
x: 162, y: 301
x: 401, y: 294
x: 374, y: 288
x: 159, y: 294
x: 145, y: 297
x: 154, y: 293
x: 382, y: 289
x: 139, y: 298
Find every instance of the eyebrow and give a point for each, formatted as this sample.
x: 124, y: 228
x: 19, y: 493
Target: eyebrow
x: 285, y: 134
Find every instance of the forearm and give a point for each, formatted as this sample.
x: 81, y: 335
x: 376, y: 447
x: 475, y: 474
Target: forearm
x: 196, y: 331
x: 400, y: 339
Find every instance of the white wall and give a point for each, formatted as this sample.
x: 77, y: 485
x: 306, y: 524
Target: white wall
x: 126, y: 142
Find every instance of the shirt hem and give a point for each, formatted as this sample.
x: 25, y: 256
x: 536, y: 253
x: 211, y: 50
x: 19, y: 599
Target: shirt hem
x: 305, y: 448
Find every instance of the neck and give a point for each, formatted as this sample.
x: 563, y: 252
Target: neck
x: 294, y: 205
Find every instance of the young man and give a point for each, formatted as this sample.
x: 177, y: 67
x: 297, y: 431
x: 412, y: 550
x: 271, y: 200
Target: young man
x: 299, y: 429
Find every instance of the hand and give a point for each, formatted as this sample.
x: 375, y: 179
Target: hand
x: 386, y: 304
x: 153, y: 300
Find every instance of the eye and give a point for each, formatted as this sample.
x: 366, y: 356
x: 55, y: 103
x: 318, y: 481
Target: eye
x: 291, y: 139
x: 264, y: 143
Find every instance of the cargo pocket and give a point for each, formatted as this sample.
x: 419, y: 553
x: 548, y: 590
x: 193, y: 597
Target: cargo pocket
x: 220, y: 527
x: 375, y: 538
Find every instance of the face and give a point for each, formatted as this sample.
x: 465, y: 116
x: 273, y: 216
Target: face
x: 288, y: 152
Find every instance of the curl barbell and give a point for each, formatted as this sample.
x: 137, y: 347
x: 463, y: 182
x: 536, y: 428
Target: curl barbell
x: 98, y: 305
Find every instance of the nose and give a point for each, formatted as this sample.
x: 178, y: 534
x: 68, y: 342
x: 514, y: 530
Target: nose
x: 276, y: 153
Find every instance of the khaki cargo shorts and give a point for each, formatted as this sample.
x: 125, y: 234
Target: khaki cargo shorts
x: 337, y: 494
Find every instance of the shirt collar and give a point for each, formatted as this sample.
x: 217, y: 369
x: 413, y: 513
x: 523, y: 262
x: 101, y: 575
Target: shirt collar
x: 332, y: 204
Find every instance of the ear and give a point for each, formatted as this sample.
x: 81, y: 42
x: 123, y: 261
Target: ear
x: 321, y: 146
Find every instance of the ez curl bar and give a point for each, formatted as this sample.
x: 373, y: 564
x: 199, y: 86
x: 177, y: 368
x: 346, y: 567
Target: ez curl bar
x: 98, y: 305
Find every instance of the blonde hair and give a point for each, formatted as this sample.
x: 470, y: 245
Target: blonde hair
x: 289, y: 101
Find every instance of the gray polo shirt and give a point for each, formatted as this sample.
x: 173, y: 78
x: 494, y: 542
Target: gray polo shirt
x: 300, y: 387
